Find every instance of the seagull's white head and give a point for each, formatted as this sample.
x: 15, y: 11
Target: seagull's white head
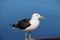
x: 37, y: 16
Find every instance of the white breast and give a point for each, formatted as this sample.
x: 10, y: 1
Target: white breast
x: 34, y: 25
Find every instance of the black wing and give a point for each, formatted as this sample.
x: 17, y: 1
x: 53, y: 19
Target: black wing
x: 22, y: 24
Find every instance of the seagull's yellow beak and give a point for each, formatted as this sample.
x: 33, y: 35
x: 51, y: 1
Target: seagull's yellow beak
x: 41, y: 17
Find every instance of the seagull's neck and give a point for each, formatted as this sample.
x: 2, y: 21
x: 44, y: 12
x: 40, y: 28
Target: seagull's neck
x: 34, y: 20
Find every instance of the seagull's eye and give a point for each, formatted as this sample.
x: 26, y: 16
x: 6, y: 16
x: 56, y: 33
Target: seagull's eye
x: 36, y: 15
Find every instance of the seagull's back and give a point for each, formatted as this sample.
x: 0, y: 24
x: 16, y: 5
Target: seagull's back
x: 22, y: 24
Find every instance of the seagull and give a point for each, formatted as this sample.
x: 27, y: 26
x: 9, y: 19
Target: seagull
x: 29, y: 24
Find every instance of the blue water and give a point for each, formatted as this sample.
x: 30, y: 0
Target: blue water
x: 12, y: 11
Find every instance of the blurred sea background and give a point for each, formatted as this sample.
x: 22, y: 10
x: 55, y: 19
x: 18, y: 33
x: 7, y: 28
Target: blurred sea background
x: 11, y: 11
